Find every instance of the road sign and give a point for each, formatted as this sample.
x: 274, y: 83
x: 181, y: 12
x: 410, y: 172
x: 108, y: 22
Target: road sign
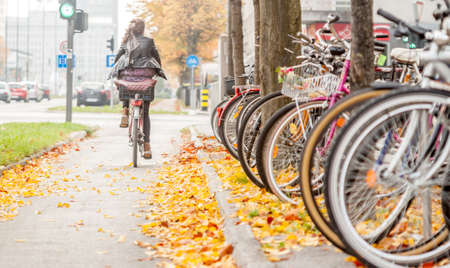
x: 192, y: 61
x: 110, y: 61
x: 63, y: 47
x: 62, y: 61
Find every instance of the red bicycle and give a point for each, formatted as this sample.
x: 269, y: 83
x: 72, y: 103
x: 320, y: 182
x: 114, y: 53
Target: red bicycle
x: 137, y: 93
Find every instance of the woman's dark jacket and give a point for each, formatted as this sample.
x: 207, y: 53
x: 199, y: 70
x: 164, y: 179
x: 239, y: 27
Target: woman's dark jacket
x: 138, y: 52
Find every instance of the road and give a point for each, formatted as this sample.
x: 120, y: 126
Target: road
x: 55, y: 238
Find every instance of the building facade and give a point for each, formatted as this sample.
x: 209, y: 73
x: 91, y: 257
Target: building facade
x: 315, y: 12
x: 36, y: 41
x: 3, y: 49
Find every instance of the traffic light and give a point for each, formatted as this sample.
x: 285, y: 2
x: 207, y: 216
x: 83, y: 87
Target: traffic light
x: 110, y: 44
x: 67, y: 9
x: 80, y: 21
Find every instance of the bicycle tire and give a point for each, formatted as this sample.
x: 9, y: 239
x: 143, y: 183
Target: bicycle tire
x: 446, y: 200
x: 262, y: 137
x: 244, y: 112
x: 243, y: 150
x: 227, y: 126
x: 135, y: 123
x: 432, y: 249
x: 269, y: 150
x: 214, y: 120
x: 306, y: 186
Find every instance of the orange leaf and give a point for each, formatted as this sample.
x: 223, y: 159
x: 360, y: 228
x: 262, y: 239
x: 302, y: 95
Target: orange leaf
x: 371, y: 178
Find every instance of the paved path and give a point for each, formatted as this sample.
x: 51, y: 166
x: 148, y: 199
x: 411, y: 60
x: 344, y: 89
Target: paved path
x: 55, y: 238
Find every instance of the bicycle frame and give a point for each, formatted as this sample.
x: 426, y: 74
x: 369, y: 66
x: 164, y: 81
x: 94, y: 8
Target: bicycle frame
x: 237, y: 94
x: 136, y: 105
x: 342, y: 90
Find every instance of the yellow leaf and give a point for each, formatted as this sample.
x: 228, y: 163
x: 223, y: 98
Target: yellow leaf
x: 121, y: 239
x: 63, y: 205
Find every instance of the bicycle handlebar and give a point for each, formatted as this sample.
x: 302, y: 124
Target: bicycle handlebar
x: 414, y: 29
x: 387, y: 15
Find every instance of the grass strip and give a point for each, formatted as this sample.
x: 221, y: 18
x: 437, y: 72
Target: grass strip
x: 19, y: 140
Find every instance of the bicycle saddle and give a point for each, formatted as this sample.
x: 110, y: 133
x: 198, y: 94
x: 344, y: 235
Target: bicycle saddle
x: 136, y: 86
x: 404, y: 55
x: 337, y: 51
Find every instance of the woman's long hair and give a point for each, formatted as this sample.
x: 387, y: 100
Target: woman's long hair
x: 135, y: 28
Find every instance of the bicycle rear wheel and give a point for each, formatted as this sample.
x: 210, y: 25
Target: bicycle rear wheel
x: 391, y: 216
x: 135, y: 140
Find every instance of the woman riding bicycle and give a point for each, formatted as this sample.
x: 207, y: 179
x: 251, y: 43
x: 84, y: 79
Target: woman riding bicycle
x: 137, y: 60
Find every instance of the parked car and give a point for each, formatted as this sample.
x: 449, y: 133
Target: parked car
x: 33, y: 91
x: 93, y: 93
x: 18, y: 91
x: 45, y: 91
x: 5, y: 93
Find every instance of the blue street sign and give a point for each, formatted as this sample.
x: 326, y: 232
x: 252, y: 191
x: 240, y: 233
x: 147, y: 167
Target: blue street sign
x: 62, y: 61
x: 110, y: 61
x: 192, y: 61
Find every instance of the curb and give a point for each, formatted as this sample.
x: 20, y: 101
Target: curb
x: 74, y: 136
x: 247, y: 250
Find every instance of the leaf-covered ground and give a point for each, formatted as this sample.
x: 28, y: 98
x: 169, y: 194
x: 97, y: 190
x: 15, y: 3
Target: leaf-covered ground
x: 184, y: 215
x: 281, y: 228
x: 32, y: 180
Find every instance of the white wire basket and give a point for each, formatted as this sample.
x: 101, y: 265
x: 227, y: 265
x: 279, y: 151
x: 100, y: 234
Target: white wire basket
x: 302, y: 86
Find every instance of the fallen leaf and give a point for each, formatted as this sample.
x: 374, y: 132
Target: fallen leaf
x: 121, y: 239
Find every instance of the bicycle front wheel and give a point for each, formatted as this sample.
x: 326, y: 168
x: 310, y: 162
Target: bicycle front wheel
x: 315, y: 155
x: 228, y: 124
x: 280, y: 145
x: 380, y: 194
x: 214, y: 120
x: 249, y: 132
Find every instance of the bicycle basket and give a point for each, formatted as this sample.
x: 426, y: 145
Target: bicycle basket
x: 146, y: 95
x: 303, y: 89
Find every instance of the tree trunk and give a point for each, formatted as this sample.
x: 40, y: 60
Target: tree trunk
x: 362, y: 70
x: 230, y: 68
x: 238, y: 41
x: 281, y: 17
x: 257, y: 39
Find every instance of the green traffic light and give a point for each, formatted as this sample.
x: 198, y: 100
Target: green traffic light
x: 66, y: 10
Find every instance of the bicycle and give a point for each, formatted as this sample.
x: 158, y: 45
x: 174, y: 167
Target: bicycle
x: 396, y: 160
x: 230, y: 114
x: 137, y: 93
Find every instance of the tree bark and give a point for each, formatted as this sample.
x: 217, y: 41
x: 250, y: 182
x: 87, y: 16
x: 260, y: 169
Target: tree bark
x: 281, y: 17
x: 362, y: 70
x: 230, y: 68
x: 238, y: 41
x: 257, y: 39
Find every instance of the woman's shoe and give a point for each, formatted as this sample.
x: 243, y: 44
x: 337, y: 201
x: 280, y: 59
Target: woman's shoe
x: 147, y: 151
x: 124, y: 120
